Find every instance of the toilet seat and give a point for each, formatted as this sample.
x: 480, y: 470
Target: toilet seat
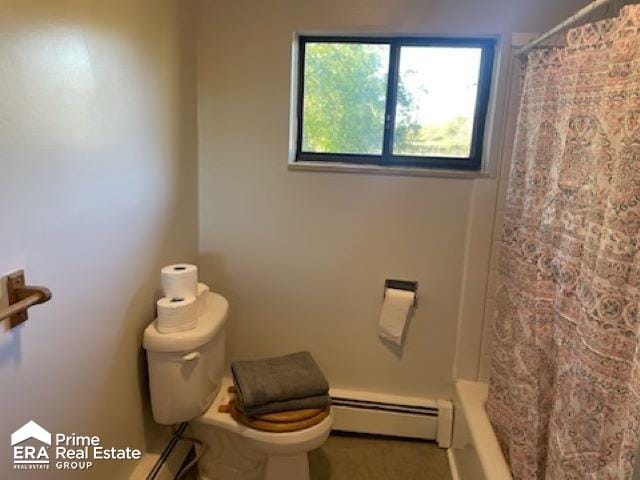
x: 223, y: 420
x: 280, y: 425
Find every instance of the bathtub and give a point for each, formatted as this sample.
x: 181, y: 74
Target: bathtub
x: 475, y: 453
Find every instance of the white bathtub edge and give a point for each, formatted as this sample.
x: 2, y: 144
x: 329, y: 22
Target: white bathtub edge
x: 473, y: 397
x: 453, y: 466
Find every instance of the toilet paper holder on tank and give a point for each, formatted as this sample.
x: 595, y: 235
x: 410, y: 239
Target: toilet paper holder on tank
x: 407, y: 285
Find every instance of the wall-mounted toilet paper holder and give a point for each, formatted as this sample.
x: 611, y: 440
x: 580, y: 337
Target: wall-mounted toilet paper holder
x: 408, y: 285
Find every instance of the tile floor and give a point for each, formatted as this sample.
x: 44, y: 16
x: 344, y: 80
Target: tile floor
x: 345, y: 457
x: 348, y: 457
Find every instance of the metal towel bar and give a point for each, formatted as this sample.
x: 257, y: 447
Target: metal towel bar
x: 21, y: 297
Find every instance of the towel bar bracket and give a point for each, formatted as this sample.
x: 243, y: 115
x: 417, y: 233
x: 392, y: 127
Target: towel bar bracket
x: 20, y: 297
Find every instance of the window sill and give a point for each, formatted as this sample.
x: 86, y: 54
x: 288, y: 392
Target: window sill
x: 337, y: 167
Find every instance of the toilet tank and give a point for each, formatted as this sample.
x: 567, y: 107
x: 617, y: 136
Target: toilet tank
x: 186, y: 368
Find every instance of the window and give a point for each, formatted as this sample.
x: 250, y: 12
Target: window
x: 411, y: 102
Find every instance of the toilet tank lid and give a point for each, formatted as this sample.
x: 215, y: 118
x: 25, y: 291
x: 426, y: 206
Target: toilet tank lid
x: 209, y: 323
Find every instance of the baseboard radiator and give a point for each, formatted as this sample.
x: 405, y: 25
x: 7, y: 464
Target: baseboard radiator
x: 379, y: 414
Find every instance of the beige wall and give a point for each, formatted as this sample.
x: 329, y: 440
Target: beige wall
x: 98, y: 175
x: 302, y: 256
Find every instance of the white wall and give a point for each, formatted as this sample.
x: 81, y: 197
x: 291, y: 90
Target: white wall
x: 98, y: 180
x: 302, y: 256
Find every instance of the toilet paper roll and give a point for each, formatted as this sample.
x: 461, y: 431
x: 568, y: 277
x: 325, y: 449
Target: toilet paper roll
x: 180, y: 280
x: 201, y: 301
x: 176, y: 314
x: 395, y: 311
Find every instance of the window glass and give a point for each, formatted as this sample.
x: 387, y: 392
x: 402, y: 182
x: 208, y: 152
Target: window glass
x: 345, y: 86
x: 436, y: 101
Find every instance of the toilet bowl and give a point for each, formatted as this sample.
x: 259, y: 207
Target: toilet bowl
x: 236, y: 451
x: 187, y: 383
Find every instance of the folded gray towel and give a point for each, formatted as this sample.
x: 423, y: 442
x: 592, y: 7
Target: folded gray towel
x: 278, y: 379
x: 318, y: 401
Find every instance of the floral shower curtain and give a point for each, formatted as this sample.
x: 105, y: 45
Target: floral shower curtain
x: 564, y: 393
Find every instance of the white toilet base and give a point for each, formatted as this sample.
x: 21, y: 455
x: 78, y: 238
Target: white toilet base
x: 230, y: 457
x: 295, y: 467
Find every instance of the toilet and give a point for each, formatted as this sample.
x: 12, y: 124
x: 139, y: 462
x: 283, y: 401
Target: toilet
x: 188, y: 383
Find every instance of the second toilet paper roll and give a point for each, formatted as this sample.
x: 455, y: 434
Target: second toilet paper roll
x: 176, y: 315
x: 180, y: 280
x: 395, y: 311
